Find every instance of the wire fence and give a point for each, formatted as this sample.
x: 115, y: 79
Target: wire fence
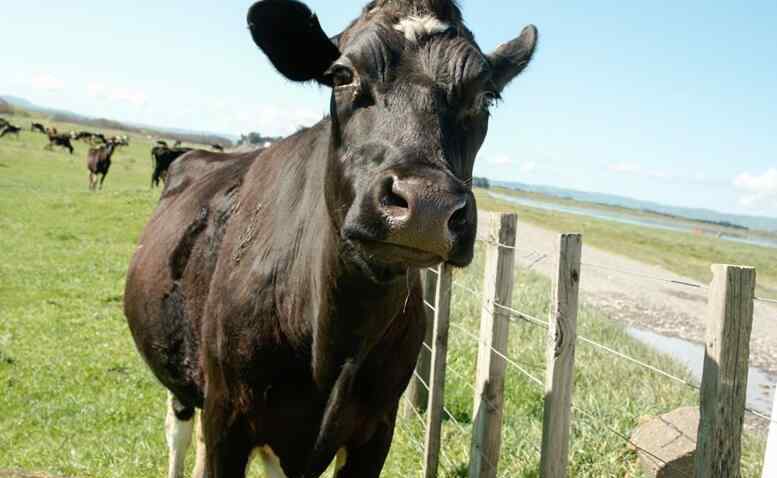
x: 493, y: 310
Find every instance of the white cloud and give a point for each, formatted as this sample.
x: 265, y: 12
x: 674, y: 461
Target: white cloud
x: 528, y: 167
x: 46, y: 82
x: 500, y: 160
x: 758, y: 190
x: 119, y: 94
x: 503, y: 160
x: 637, y: 170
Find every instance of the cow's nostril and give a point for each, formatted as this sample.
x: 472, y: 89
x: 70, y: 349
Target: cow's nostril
x: 459, y: 218
x: 392, y: 199
x: 392, y: 196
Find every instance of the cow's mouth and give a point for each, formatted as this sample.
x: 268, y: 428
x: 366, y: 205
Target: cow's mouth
x: 394, y: 254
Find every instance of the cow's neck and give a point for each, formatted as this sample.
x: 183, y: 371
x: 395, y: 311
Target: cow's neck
x: 347, y: 311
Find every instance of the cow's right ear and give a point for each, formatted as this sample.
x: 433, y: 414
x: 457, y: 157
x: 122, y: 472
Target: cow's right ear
x: 291, y: 37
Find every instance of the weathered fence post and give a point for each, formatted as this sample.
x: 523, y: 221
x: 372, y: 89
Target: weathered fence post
x: 560, y: 360
x: 417, y: 393
x: 770, y: 459
x: 724, y: 381
x: 499, y: 232
x: 442, y: 311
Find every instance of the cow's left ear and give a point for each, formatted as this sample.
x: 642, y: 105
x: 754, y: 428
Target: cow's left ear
x: 291, y: 37
x: 510, y: 59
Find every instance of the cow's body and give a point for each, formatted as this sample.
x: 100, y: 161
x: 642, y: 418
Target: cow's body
x: 56, y: 139
x: 98, y: 162
x: 10, y: 129
x: 279, y: 290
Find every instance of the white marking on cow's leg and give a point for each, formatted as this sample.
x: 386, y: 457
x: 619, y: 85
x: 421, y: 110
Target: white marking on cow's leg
x: 272, y: 464
x: 341, y: 460
x: 179, y: 436
x: 199, y: 464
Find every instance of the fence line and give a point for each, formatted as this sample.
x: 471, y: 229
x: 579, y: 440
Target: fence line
x: 719, y: 416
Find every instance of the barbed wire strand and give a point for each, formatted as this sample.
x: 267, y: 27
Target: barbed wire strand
x: 500, y: 354
x: 448, y: 461
x: 517, y: 314
x: 431, y: 307
x: 764, y: 299
x: 444, y: 409
x: 645, y: 276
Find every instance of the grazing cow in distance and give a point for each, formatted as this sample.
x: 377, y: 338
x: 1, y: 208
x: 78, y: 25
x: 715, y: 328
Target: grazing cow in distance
x: 38, y: 127
x: 98, y: 161
x: 162, y: 157
x: 56, y: 139
x: 10, y: 129
x: 217, y: 147
x: 279, y: 290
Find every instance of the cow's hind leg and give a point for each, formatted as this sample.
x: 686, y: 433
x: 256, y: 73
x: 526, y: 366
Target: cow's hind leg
x: 179, y: 424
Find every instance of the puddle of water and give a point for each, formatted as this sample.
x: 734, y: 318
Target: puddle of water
x: 760, y: 386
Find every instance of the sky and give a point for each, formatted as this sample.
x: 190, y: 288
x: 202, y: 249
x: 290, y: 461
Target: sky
x: 674, y: 102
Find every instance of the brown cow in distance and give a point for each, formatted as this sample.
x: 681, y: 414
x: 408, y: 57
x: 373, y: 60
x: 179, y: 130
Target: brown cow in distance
x: 98, y: 161
x: 278, y: 290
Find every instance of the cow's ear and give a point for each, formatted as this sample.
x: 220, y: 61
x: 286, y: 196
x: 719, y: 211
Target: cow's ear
x: 510, y: 59
x: 291, y: 37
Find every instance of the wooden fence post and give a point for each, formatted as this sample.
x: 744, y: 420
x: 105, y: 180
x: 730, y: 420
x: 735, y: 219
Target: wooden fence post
x: 417, y: 393
x: 442, y: 311
x: 724, y: 381
x: 499, y: 232
x: 560, y: 360
x: 770, y: 459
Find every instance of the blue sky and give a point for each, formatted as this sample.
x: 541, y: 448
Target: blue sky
x: 668, y: 101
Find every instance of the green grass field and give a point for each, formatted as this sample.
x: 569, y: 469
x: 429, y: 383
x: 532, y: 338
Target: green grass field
x: 77, y: 401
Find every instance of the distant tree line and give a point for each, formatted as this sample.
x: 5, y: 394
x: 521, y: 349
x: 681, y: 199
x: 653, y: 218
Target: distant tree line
x: 483, y: 183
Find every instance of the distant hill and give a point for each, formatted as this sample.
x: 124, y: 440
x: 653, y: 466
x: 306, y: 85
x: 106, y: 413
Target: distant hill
x: 184, y: 135
x: 5, y: 107
x: 706, y: 215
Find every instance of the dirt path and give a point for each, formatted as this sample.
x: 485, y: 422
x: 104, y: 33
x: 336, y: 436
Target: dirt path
x: 666, y: 308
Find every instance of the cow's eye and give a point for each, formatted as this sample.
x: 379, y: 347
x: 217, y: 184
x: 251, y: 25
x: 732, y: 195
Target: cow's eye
x: 341, y: 76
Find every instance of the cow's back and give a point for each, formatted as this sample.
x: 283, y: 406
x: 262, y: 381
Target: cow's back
x: 169, y: 276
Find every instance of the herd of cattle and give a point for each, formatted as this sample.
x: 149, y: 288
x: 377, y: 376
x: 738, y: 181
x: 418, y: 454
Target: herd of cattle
x: 98, y: 159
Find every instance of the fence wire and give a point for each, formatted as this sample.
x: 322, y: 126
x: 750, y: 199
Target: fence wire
x: 513, y: 314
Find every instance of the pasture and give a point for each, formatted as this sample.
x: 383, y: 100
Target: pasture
x: 77, y: 401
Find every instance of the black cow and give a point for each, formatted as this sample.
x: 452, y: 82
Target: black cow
x: 279, y: 290
x: 162, y: 157
x: 38, y: 127
x: 56, y: 139
x: 10, y: 129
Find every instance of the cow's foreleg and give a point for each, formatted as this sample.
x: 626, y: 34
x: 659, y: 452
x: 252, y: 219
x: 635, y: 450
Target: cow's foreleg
x: 178, y: 432
x: 367, y: 461
x: 199, y: 464
x: 227, y: 444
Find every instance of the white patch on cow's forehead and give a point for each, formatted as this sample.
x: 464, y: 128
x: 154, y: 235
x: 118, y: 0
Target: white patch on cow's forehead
x: 415, y: 28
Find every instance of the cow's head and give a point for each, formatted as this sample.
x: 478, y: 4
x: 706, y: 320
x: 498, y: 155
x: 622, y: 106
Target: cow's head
x: 411, y: 94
